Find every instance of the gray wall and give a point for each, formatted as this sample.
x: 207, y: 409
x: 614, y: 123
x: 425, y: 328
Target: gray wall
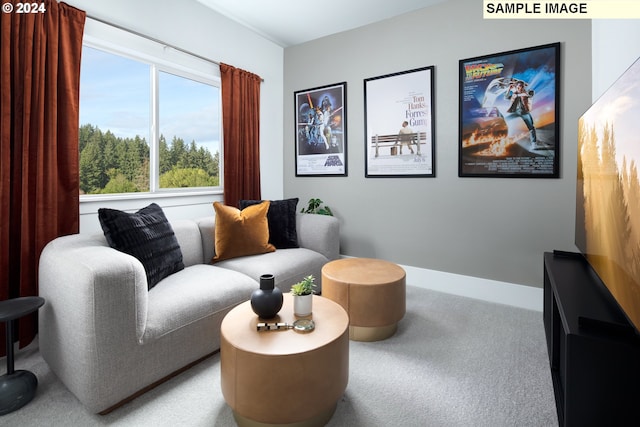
x: 491, y: 228
x: 616, y: 46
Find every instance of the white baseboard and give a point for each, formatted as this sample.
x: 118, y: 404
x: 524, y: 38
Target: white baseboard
x: 506, y: 293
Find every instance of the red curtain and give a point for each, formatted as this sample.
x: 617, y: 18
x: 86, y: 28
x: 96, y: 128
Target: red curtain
x: 39, y: 172
x: 241, y: 131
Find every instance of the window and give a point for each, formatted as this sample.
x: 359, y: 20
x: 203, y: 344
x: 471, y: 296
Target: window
x: 149, y: 120
x: 191, y: 157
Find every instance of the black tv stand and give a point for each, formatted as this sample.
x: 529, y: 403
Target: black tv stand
x: 566, y: 254
x: 594, y: 352
x: 605, y: 327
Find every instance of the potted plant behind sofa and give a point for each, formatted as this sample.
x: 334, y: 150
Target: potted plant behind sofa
x: 303, y: 296
x: 315, y: 207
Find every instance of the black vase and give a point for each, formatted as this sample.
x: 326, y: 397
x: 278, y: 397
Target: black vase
x: 266, y: 302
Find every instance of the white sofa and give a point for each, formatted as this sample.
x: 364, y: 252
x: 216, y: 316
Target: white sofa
x: 108, y: 338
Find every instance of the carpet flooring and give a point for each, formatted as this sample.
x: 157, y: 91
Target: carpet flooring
x: 454, y: 361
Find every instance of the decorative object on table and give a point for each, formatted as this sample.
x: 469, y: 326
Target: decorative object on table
x: 321, y: 131
x: 300, y: 325
x: 303, y: 296
x: 276, y: 326
x: 400, y: 124
x: 509, y: 114
x: 17, y: 388
x: 304, y: 325
x: 266, y: 302
x: 315, y: 207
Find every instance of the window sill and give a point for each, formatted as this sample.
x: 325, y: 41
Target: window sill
x: 89, y: 204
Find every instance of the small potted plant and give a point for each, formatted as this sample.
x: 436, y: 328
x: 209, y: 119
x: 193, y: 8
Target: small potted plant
x: 303, y: 296
x: 315, y: 207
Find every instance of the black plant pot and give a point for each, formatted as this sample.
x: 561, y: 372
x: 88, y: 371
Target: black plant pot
x: 266, y: 302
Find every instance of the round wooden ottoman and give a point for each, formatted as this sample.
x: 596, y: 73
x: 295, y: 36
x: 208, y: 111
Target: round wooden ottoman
x: 372, y: 291
x: 284, y: 377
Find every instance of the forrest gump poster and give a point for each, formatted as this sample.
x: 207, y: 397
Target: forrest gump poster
x: 399, y: 124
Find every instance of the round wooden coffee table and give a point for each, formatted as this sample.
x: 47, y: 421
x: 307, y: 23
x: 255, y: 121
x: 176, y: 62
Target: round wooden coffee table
x: 373, y: 292
x: 284, y: 376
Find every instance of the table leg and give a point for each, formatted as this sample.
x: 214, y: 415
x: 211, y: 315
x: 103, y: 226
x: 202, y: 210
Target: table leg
x: 17, y: 388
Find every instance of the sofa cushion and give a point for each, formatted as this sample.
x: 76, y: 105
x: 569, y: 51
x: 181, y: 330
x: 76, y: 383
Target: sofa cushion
x: 192, y: 294
x: 146, y: 235
x: 289, y: 266
x: 190, y: 240
x: 281, y: 217
x: 241, y: 232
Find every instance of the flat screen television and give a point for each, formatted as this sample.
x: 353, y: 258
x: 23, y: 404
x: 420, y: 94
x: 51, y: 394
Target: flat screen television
x: 608, y: 190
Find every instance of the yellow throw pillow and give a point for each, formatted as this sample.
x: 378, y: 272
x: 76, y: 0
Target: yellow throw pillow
x: 241, y: 232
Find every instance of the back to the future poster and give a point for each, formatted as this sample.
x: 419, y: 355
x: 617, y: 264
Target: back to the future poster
x: 509, y: 114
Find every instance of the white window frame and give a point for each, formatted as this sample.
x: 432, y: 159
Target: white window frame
x: 160, y: 58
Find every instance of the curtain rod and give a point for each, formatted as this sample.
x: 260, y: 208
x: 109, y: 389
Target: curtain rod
x: 152, y: 39
x: 102, y: 21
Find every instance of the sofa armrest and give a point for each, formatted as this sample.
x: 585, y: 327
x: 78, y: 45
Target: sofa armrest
x: 95, y: 298
x: 320, y: 233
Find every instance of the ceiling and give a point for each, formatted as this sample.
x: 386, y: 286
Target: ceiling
x: 292, y: 22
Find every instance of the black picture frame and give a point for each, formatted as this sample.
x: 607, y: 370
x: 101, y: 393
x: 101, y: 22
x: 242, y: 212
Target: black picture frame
x: 321, y: 130
x: 498, y: 137
x: 399, y: 114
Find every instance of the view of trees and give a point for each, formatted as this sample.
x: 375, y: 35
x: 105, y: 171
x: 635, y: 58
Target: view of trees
x: 110, y: 164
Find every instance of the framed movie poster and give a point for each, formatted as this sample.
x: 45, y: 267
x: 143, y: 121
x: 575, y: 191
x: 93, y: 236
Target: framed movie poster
x: 399, y: 124
x: 509, y: 114
x: 321, y: 131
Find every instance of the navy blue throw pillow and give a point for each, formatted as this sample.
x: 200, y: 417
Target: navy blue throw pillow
x: 146, y: 235
x: 281, y: 217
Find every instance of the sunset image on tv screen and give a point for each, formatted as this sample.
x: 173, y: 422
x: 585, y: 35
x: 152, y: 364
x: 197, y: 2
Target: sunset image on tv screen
x: 608, y: 193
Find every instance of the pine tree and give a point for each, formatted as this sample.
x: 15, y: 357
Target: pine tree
x: 110, y: 164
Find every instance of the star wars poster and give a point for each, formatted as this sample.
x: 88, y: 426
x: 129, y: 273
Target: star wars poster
x: 509, y: 114
x: 321, y: 137
x: 399, y: 124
